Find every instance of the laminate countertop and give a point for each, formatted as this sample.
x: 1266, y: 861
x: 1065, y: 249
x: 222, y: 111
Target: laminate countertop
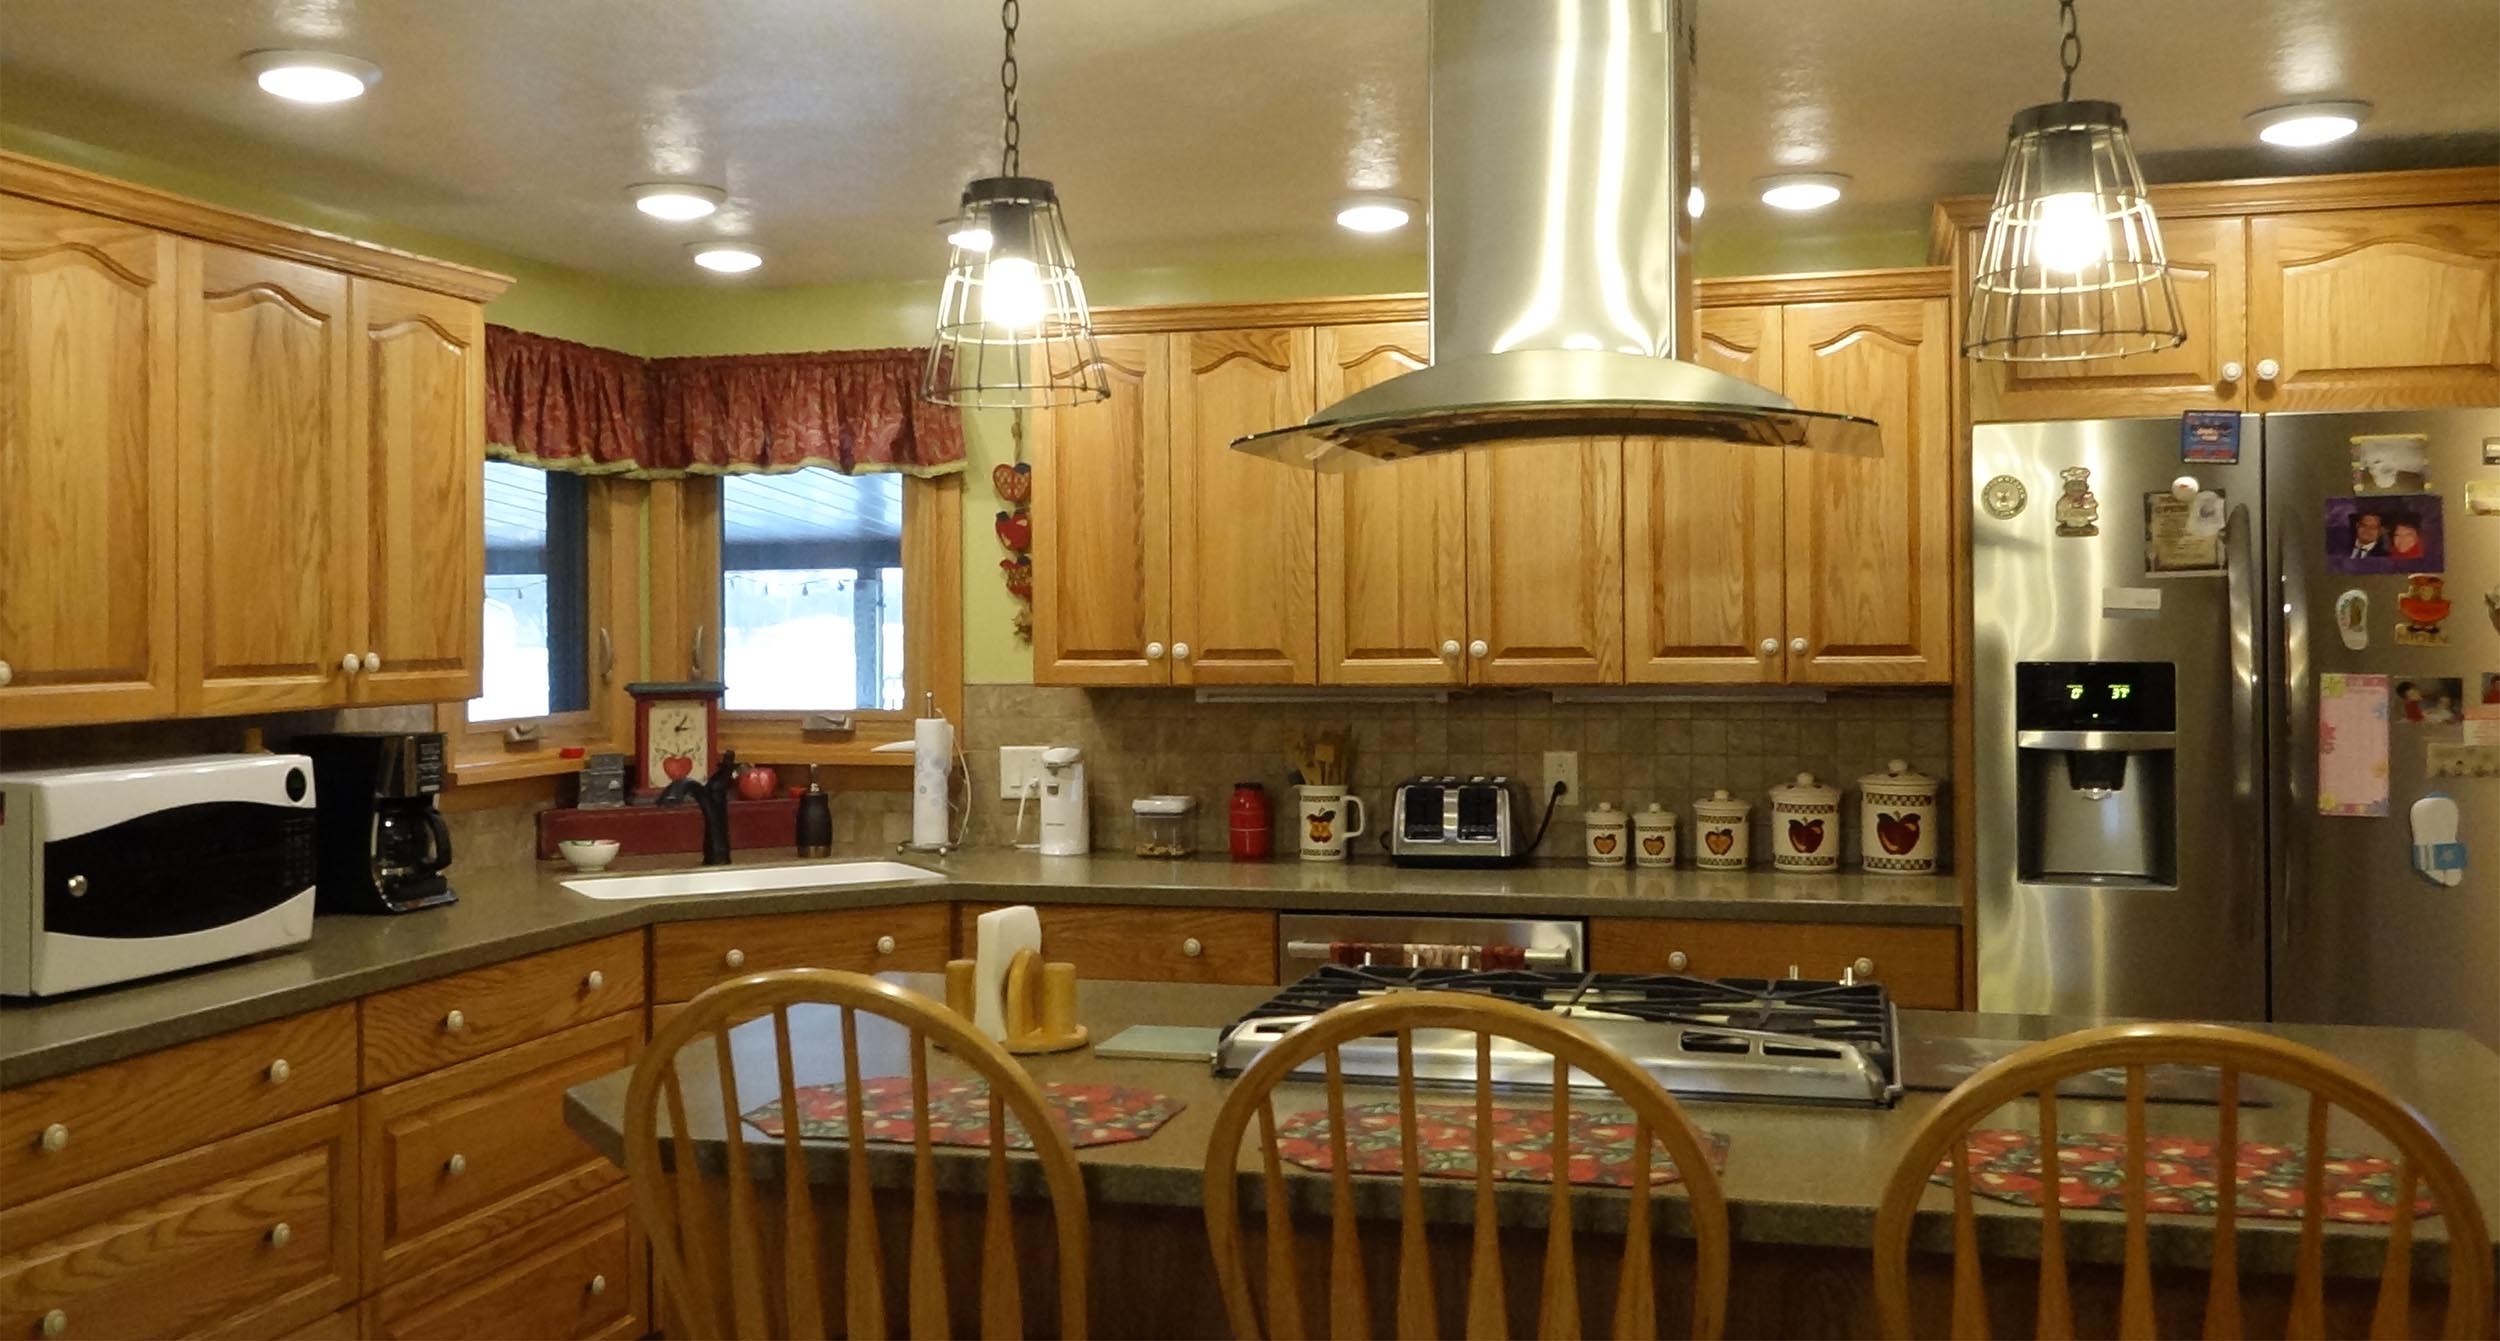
x: 1797, y: 1175
x: 513, y: 909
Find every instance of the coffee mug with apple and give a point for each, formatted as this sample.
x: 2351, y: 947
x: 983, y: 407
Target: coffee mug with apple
x: 1330, y: 815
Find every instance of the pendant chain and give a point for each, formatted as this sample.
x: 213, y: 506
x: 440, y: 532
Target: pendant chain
x: 1010, y: 154
x: 2069, y: 51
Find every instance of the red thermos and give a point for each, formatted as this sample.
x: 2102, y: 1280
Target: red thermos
x: 1253, y: 835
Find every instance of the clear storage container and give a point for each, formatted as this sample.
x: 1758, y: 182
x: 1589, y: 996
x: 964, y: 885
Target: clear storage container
x: 1167, y: 826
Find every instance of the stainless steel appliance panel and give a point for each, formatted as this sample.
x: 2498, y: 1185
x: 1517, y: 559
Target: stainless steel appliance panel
x: 2192, y: 945
x: 2358, y: 938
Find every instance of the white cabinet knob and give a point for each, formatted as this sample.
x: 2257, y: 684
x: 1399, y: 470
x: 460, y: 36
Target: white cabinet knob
x: 1770, y: 647
x: 55, y: 1139
x: 6, y: 675
x: 885, y: 945
x: 279, y: 1071
x: 281, y: 1234
x: 736, y: 959
x: 373, y: 661
x: 2231, y: 371
x: 594, y: 980
x: 349, y: 661
x: 2268, y: 370
x: 457, y: 1165
x: 1864, y: 968
x: 1797, y: 645
x: 1678, y: 961
x: 1154, y: 651
x: 455, y: 1022
x: 55, y: 1323
x: 1193, y: 947
x: 1449, y: 647
x: 599, y: 1285
x: 1479, y: 649
x: 1180, y: 651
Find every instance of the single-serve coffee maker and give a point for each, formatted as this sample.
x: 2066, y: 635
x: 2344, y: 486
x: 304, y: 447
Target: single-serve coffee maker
x: 2096, y: 741
x: 383, y: 845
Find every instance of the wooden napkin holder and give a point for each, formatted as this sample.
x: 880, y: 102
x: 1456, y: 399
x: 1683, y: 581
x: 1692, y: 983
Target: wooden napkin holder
x: 1039, y: 1003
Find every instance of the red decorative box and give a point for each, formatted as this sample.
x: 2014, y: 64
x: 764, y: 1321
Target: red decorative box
x: 658, y: 830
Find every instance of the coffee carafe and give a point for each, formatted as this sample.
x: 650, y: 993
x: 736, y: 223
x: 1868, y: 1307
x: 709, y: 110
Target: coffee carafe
x: 383, y: 845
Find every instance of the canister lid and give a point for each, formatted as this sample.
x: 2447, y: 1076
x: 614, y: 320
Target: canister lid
x: 1722, y: 805
x: 1603, y: 812
x: 1657, y: 816
x: 1805, y: 791
x: 1900, y: 777
x: 1163, y: 805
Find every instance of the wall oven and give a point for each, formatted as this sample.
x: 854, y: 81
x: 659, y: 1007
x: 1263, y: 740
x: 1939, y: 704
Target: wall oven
x: 131, y: 870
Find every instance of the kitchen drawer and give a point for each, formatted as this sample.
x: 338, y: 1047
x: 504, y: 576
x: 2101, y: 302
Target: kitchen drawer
x: 687, y: 957
x: 1922, y: 966
x: 434, y: 1024
x: 466, y: 1155
x: 576, y: 1274
x: 1213, y: 945
x: 339, y: 1326
x: 253, y: 1235
x: 116, y: 1117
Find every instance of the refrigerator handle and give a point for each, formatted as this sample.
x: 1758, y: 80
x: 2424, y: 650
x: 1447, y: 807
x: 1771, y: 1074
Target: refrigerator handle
x: 2296, y: 732
x: 2244, y: 627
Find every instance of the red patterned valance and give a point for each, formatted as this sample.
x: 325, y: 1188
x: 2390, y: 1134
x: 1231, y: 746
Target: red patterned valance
x: 568, y: 406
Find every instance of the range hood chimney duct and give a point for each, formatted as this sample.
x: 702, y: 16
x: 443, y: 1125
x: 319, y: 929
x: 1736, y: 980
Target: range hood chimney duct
x: 1562, y: 294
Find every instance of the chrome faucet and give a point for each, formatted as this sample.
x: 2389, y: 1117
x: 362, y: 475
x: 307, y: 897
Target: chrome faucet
x: 711, y: 798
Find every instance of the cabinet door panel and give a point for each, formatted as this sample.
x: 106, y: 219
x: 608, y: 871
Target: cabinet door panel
x: 1869, y: 541
x: 1545, y: 562
x: 270, y: 523
x: 1702, y: 531
x: 1101, y: 526
x: 1244, y: 560
x: 2376, y: 309
x: 1392, y: 541
x: 87, y: 315
x: 2208, y: 268
x: 419, y: 443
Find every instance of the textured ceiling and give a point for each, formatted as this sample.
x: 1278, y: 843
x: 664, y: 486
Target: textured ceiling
x: 1179, y: 133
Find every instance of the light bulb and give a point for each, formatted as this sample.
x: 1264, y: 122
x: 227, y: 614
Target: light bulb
x: 1011, y: 293
x: 311, y: 76
x: 969, y: 236
x: 2068, y: 234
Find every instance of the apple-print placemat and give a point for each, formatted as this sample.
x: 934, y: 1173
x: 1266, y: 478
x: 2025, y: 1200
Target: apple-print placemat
x: 1600, y: 1145
x: 959, y: 1112
x: 2180, y: 1176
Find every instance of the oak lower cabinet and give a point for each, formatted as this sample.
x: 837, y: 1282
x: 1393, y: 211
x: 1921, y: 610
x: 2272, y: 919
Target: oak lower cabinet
x: 1150, y: 944
x: 1920, y: 965
x: 1102, y: 593
x: 578, y: 1275
x: 687, y: 957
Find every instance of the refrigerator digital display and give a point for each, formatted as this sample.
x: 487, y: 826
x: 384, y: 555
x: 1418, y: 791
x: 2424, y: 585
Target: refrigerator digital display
x: 2095, y: 696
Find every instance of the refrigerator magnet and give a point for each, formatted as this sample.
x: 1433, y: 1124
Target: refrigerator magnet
x: 2210, y: 435
x: 2429, y: 700
x: 2174, y: 544
x: 2368, y: 535
x: 2491, y: 451
x: 2391, y: 463
x: 2423, y: 607
x: 2482, y: 725
x: 2352, y: 619
x: 2004, y: 497
x: 2450, y: 759
x: 2482, y: 498
x: 2438, y: 853
x: 2491, y: 689
x: 2078, y: 509
x: 2352, y: 745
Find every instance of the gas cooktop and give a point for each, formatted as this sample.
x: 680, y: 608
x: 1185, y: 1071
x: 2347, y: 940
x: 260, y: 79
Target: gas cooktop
x: 1777, y: 1041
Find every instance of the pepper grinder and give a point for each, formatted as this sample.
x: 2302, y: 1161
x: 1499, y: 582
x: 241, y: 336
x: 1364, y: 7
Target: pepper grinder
x: 815, y: 819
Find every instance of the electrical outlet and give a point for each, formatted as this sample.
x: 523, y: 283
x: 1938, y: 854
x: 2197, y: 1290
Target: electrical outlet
x: 1563, y: 766
x: 1019, y: 770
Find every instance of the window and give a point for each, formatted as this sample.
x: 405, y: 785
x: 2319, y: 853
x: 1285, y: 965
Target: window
x: 811, y: 592
x: 537, y: 645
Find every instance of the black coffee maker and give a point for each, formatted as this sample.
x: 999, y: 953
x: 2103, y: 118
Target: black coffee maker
x: 383, y: 845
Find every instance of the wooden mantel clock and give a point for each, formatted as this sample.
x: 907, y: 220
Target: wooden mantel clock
x: 676, y: 732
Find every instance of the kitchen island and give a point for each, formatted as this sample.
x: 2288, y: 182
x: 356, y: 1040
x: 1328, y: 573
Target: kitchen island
x: 1802, y: 1182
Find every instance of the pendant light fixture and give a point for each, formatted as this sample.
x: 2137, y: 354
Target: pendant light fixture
x: 2071, y: 266
x: 1012, y: 331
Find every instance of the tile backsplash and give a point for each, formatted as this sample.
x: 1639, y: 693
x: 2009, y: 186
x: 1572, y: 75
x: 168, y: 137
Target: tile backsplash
x: 1143, y: 741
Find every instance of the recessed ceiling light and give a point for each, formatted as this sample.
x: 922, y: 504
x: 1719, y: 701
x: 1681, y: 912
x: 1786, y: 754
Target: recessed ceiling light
x: 1801, y: 190
x: 729, y: 258
x: 1375, y: 214
x: 676, y: 202
x: 2309, y: 124
x: 311, y: 76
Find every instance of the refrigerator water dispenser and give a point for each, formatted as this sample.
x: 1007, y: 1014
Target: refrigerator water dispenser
x: 2096, y: 744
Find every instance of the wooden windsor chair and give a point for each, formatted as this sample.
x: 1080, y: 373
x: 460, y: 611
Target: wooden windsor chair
x: 1486, y: 1315
x: 732, y: 1265
x: 2035, y: 1071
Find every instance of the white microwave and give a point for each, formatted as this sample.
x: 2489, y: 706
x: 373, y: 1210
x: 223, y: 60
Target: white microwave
x: 130, y: 870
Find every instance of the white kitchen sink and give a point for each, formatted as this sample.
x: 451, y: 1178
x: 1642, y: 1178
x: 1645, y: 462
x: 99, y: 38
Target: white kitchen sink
x: 752, y: 879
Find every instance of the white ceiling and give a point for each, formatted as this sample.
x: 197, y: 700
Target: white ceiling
x: 1179, y: 132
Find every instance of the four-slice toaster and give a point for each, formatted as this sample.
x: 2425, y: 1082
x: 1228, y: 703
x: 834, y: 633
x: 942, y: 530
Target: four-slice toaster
x: 1449, y: 821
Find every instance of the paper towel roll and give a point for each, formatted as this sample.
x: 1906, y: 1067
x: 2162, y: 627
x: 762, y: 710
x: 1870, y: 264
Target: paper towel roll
x: 932, y: 760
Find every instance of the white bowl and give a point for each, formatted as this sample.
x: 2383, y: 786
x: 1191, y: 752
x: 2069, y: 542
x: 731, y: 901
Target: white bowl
x: 589, y: 854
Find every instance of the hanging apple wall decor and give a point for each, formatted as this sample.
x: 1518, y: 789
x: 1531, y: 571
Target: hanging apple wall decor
x: 1014, y: 483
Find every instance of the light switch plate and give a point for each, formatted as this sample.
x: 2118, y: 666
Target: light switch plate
x: 1561, y: 766
x: 1019, y: 770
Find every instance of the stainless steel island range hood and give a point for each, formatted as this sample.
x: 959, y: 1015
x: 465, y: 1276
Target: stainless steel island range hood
x: 1561, y: 283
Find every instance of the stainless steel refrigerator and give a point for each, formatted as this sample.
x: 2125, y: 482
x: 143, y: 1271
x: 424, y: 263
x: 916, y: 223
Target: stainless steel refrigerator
x: 2163, y: 829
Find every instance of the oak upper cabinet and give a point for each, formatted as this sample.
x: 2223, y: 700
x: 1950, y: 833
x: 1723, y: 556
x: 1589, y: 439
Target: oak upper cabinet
x: 1869, y: 546
x: 417, y: 441
x: 1243, y: 551
x: 2375, y: 308
x: 87, y: 592
x: 1702, y: 534
x: 1545, y: 562
x: 271, y: 524
x: 1392, y: 539
x: 1102, y: 526
x: 2209, y: 371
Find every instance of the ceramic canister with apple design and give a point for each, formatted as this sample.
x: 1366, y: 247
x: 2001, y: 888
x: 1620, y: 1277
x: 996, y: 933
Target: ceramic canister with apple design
x: 1609, y: 837
x: 1805, y: 827
x: 1897, y: 821
x: 1720, y: 838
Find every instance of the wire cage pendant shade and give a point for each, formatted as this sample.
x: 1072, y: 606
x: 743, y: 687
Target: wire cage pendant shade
x: 2071, y: 266
x: 1013, y: 330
